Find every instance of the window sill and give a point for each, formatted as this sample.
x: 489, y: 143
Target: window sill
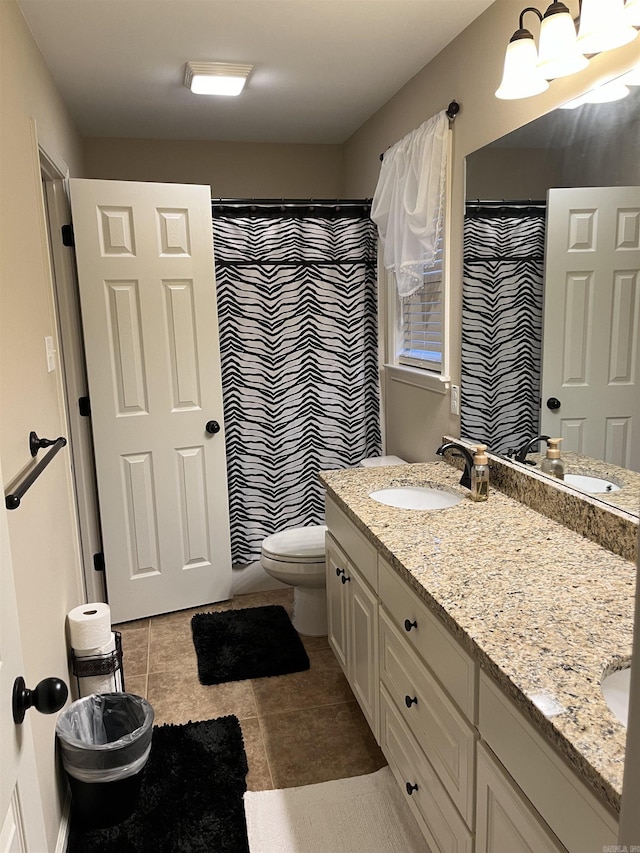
x: 418, y: 378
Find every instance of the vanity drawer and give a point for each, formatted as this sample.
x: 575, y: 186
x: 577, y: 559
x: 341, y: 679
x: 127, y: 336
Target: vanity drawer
x: 359, y: 550
x: 452, y: 666
x: 445, y: 736
x: 441, y: 825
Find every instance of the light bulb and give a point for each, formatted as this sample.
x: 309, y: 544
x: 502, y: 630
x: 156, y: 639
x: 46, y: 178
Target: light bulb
x: 603, y: 26
x: 521, y: 77
x: 558, y: 55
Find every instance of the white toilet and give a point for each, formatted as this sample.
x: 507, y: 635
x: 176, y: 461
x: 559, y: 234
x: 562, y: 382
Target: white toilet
x: 296, y: 557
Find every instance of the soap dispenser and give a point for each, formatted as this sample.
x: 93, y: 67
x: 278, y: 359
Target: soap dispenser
x: 552, y: 464
x: 480, y: 474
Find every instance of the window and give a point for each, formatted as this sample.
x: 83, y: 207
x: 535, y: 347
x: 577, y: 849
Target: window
x: 420, y: 339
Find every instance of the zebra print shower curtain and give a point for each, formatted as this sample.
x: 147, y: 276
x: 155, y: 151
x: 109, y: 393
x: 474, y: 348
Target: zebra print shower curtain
x: 298, y: 346
x: 502, y: 324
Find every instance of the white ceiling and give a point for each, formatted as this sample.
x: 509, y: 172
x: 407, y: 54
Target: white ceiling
x: 321, y: 67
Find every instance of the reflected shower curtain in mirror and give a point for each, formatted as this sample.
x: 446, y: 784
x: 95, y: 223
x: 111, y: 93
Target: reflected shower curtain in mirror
x: 502, y: 323
x: 298, y: 345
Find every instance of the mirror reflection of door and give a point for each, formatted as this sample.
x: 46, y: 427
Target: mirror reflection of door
x: 591, y: 346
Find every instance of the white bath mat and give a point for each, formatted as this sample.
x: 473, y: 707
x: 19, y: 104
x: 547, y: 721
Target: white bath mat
x: 364, y: 814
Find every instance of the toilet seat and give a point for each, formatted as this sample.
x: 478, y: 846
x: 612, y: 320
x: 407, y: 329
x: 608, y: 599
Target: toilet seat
x: 297, y: 545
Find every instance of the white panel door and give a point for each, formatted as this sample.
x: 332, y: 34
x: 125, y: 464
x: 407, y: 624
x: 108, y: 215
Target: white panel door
x: 21, y: 819
x: 591, y: 346
x: 147, y: 291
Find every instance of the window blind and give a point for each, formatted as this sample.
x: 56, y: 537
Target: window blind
x: 422, y: 321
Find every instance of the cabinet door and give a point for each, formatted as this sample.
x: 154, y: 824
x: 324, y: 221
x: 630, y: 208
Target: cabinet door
x: 363, y: 648
x: 338, y: 570
x: 506, y: 820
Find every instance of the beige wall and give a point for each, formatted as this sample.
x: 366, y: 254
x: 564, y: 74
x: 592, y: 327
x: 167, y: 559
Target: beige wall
x: 232, y: 169
x: 468, y: 70
x: 42, y: 531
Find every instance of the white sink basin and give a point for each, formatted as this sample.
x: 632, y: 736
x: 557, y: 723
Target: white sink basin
x: 594, y: 485
x: 615, y: 689
x: 415, y: 497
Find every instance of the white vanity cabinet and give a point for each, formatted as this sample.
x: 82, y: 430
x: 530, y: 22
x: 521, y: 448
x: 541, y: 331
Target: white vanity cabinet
x: 566, y: 811
x: 352, y: 611
x: 506, y: 819
x: 476, y: 772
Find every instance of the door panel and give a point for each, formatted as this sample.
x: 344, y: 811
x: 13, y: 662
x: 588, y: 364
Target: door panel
x: 591, y: 348
x: 147, y: 289
x: 21, y: 819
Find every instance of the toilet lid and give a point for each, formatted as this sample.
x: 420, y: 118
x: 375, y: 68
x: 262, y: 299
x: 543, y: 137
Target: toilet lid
x: 298, y: 545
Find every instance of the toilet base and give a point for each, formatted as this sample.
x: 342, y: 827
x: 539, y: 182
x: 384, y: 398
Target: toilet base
x: 310, y: 611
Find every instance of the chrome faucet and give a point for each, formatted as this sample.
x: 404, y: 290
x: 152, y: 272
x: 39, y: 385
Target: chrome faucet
x: 465, y: 454
x: 521, y: 455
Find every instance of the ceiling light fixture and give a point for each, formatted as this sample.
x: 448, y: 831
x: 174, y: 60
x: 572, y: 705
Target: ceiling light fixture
x: 216, y: 78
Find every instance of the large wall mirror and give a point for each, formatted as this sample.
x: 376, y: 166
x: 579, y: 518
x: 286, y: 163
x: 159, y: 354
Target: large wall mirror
x: 551, y: 292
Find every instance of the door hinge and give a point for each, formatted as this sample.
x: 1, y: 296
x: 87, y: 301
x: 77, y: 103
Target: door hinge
x: 98, y: 562
x: 67, y: 236
x: 84, y: 406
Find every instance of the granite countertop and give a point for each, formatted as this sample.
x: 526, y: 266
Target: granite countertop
x: 544, y: 611
x: 628, y: 498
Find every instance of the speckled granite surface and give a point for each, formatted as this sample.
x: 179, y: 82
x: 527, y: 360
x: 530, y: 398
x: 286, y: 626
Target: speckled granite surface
x: 615, y: 527
x: 543, y: 610
x: 628, y: 498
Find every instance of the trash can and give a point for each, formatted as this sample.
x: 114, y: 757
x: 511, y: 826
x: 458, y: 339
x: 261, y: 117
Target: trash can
x: 105, y: 741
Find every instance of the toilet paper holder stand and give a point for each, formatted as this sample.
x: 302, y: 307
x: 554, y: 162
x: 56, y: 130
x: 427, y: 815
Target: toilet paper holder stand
x: 109, y: 663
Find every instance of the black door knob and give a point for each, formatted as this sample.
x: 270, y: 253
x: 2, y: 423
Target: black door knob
x: 48, y: 697
x: 409, y: 625
x: 212, y: 427
x: 553, y: 403
x: 411, y: 788
x: 410, y: 700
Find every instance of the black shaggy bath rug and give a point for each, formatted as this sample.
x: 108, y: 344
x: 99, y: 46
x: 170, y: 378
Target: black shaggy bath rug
x: 252, y: 643
x: 191, y: 796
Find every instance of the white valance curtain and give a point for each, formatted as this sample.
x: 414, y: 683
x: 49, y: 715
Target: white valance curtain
x: 408, y: 204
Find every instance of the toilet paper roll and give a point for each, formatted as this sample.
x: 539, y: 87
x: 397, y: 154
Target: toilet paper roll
x: 89, y: 626
x: 101, y: 684
x: 99, y: 650
x: 109, y: 683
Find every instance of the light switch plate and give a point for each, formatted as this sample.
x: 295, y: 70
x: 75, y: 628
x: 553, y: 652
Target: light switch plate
x: 51, y: 353
x: 455, y: 399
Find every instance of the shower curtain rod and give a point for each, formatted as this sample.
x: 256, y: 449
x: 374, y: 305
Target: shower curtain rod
x: 505, y: 202
x: 292, y: 208
x: 291, y: 202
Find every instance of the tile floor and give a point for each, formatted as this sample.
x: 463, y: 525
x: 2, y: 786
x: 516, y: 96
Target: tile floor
x: 298, y: 729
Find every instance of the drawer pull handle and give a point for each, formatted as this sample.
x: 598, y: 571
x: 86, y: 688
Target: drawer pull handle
x: 339, y: 572
x: 409, y: 625
x: 345, y: 578
x: 411, y: 788
x: 408, y: 701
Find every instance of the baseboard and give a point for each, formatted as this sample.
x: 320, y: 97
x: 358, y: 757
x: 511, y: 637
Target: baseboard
x: 63, y: 830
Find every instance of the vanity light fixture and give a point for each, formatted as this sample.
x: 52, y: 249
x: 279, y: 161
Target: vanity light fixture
x: 216, y: 78
x: 604, y: 93
x: 558, y: 54
x: 604, y: 24
x: 632, y: 12
x: 521, y: 77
